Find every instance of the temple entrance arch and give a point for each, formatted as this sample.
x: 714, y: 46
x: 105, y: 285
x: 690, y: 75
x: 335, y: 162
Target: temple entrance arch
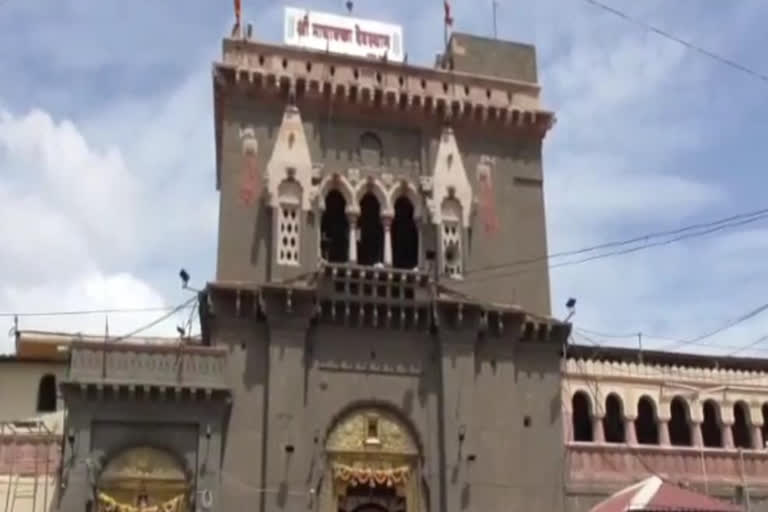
x: 373, y: 463
x: 143, y: 479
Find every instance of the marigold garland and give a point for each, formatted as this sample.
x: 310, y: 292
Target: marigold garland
x: 371, y: 477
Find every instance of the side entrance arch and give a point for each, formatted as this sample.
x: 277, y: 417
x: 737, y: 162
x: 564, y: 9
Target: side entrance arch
x: 373, y: 464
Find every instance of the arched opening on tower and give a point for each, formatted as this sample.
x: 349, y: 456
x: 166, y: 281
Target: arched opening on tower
x: 581, y: 417
x: 405, y: 235
x: 334, y: 229
x: 613, y: 423
x: 741, y: 435
x: 679, y: 423
x: 710, y: 427
x: 370, y: 247
x: 646, y: 424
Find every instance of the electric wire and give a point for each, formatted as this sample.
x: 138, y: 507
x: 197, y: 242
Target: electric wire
x: 4, y: 314
x: 753, y: 215
x: 153, y: 323
x: 715, y: 227
x: 678, y: 343
x: 687, y: 44
x: 599, y: 348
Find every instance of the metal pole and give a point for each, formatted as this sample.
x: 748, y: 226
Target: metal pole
x: 13, y: 461
x: 47, y: 467
x: 36, y: 480
x: 744, y: 481
x: 495, y: 33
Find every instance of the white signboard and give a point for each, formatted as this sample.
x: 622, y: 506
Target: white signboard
x: 343, y: 34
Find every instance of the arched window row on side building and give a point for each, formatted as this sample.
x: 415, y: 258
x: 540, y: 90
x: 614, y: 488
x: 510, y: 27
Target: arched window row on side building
x: 707, y: 424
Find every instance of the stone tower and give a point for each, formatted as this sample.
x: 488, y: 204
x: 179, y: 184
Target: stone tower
x: 366, y: 344
x: 363, y: 204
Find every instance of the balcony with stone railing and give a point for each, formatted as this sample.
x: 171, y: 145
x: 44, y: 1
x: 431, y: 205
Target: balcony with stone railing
x: 607, y: 464
x: 371, y: 294
x: 159, y: 366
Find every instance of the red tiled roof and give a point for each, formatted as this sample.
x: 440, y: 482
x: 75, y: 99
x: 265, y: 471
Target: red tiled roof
x: 655, y: 495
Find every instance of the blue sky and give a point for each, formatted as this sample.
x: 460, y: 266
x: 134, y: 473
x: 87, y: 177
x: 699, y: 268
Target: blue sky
x: 106, y: 153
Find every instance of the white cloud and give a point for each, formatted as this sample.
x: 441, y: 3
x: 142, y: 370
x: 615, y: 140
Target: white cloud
x: 633, y: 112
x: 92, y: 291
x: 79, y: 221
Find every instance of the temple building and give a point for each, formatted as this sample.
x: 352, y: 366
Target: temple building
x: 364, y: 345
x: 351, y: 358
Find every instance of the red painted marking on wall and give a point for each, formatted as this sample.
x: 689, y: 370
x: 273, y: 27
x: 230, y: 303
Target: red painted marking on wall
x: 487, y: 202
x: 250, y: 184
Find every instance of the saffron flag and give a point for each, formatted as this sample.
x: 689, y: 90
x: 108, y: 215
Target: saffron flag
x: 238, y: 14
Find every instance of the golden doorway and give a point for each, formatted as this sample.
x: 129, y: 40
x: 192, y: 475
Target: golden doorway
x: 143, y: 479
x: 372, y: 464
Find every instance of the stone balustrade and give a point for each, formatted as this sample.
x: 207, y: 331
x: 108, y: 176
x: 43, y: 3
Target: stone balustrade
x: 622, y: 464
x: 116, y: 363
x: 373, y: 295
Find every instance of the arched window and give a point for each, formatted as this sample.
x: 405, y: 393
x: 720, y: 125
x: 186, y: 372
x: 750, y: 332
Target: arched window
x: 646, y: 424
x: 370, y: 247
x: 405, y: 235
x: 371, y: 150
x: 742, y: 438
x: 334, y: 228
x: 765, y: 425
x: 46, y: 394
x: 613, y: 422
x: 679, y: 423
x: 451, y: 238
x: 582, y: 417
x: 710, y: 427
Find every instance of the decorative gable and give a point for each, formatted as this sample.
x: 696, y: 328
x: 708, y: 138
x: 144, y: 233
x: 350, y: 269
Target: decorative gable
x: 449, y: 179
x: 290, y: 159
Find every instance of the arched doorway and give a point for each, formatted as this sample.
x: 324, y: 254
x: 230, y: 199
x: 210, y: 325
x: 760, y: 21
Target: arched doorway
x: 142, y: 478
x: 373, y: 464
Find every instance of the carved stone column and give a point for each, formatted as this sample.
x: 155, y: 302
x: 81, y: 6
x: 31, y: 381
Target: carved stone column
x: 630, y: 435
x: 352, y: 238
x: 664, y: 432
x: 697, y: 439
x: 387, y: 223
x: 757, y: 437
x: 598, y: 434
x: 726, y: 430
